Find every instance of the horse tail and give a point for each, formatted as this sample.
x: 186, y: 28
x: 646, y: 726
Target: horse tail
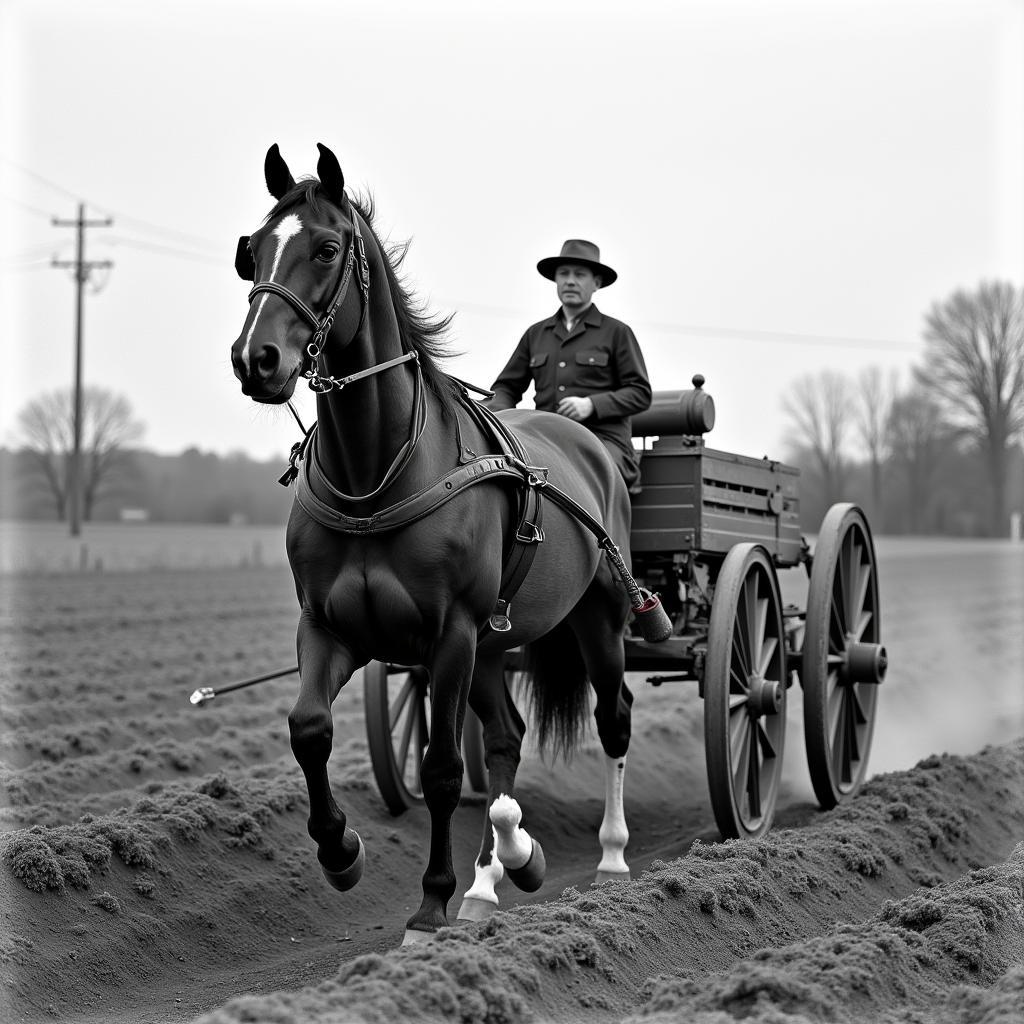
x: 557, y: 690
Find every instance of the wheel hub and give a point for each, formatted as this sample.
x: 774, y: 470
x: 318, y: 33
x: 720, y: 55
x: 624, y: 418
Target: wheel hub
x: 864, y: 663
x: 764, y: 696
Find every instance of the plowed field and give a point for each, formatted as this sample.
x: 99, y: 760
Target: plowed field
x: 155, y: 864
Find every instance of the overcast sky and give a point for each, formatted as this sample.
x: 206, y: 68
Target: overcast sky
x: 782, y: 187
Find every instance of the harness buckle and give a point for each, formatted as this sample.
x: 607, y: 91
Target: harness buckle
x: 499, y: 620
x: 535, y: 536
x: 292, y: 471
x: 321, y: 385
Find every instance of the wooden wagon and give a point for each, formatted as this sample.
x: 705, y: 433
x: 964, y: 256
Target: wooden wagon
x: 710, y: 531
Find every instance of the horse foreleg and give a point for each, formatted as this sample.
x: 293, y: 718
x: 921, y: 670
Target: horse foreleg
x: 325, y: 665
x: 441, y: 773
x: 503, y: 739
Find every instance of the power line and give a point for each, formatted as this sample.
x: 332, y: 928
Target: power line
x: 170, y: 250
x: 67, y: 193
x: 26, y: 206
x: 153, y: 228
x: 145, y: 225
x: 732, y: 333
x: 788, y: 337
x: 16, y: 267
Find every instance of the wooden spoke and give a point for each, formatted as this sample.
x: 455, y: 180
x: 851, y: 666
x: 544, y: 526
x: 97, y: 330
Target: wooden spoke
x: 400, y: 701
x: 744, y: 740
x: 842, y: 609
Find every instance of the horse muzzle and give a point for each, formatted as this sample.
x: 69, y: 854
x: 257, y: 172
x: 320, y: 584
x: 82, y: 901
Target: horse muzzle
x: 265, y: 373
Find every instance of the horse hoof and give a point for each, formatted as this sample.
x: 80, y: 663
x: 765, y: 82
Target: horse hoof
x: 414, y: 937
x: 611, y: 876
x: 474, y: 909
x: 348, y: 877
x: 530, y: 877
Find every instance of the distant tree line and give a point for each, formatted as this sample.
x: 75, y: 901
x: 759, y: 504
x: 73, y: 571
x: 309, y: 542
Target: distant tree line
x: 117, y: 475
x: 193, y: 487
x: 940, y: 454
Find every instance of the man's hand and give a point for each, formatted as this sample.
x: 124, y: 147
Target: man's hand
x: 576, y: 408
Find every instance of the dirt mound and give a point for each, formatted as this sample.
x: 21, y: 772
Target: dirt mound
x: 900, y: 901
x: 687, y: 940
x: 155, y: 866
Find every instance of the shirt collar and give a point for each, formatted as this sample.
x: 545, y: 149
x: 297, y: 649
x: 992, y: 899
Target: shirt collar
x: 592, y: 316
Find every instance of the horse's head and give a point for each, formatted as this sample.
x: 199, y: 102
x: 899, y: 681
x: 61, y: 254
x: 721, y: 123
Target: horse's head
x: 301, y: 260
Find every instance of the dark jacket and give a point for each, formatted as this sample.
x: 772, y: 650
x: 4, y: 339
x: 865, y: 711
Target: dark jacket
x: 599, y: 359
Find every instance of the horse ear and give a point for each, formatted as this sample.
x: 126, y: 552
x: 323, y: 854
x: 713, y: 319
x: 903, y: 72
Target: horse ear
x: 275, y: 170
x: 329, y: 171
x: 244, y: 262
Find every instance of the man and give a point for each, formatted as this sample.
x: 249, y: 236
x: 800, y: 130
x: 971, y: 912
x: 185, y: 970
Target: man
x: 583, y: 364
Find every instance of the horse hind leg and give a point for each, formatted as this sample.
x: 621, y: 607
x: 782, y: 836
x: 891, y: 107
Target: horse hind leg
x: 601, y: 645
x: 505, y: 848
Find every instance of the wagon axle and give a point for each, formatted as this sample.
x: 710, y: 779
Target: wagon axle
x: 863, y: 663
x: 765, y: 696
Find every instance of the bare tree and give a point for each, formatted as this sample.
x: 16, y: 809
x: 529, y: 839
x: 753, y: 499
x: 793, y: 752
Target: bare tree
x: 820, y: 409
x: 108, y: 427
x: 873, y: 405
x: 974, y: 366
x: 918, y: 437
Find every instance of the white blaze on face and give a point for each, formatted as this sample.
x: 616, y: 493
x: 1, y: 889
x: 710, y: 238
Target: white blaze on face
x: 289, y: 227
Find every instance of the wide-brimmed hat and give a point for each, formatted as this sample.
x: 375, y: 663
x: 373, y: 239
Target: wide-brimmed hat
x: 578, y: 250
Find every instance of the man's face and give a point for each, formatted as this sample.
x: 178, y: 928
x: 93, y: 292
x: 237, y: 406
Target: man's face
x: 576, y: 285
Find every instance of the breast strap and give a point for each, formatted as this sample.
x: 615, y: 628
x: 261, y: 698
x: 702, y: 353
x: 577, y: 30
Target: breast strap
x: 510, y: 462
x: 408, y: 510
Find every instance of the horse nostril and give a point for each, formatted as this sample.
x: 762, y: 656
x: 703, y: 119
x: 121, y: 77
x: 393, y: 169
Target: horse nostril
x: 266, y: 361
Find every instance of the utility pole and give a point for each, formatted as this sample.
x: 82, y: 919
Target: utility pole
x: 82, y: 268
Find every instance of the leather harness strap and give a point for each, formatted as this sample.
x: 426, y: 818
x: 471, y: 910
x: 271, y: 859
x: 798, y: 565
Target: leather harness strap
x: 522, y: 547
x: 510, y: 462
x: 408, y: 510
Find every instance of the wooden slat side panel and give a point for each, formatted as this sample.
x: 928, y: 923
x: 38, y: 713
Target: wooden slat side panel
x: 703, y: 499
x: 753, y: 501
x: 739, y: 467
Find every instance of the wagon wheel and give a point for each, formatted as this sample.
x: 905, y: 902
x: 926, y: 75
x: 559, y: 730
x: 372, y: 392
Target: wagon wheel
x: 745, y: 693
x: 397, y: 708
x: 843, y: 659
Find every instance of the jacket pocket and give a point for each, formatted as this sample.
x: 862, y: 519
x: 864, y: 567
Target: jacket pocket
x: 593, y: 357
x: 538, y: 359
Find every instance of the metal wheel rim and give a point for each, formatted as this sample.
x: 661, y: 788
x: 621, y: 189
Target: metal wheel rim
x: 843, y: 606
x: 744, y: 748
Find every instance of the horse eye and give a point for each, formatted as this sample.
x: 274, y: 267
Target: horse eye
x: 327, y: 252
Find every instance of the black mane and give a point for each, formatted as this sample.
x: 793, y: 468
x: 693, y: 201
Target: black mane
x: 421, y: 331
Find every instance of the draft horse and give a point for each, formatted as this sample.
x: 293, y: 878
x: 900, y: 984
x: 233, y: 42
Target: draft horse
x: 405, y: 517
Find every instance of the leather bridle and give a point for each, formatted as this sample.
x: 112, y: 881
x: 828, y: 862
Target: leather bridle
x: 319, y: 382
x: 322, y: 383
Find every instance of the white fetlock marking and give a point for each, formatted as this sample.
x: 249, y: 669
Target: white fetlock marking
x: 613, y: 834
x: 486, y: 881
x: 512, y: 845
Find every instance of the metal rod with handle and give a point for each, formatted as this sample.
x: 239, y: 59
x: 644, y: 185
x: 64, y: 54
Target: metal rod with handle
x: 206, y: 693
